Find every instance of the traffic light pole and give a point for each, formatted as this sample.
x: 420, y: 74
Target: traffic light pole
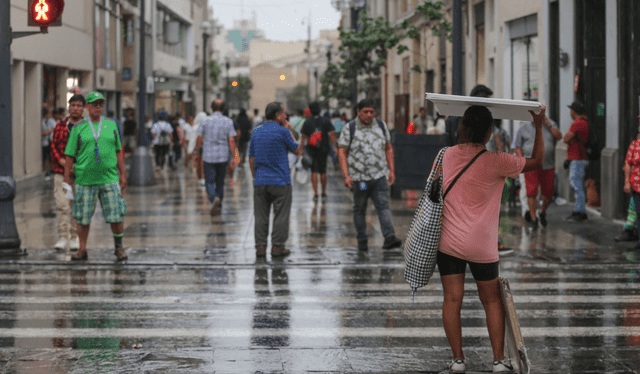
x: 142, y: 166
x: 9, y: 238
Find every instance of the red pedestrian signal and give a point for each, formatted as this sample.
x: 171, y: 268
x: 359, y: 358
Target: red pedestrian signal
x: 45, y: 13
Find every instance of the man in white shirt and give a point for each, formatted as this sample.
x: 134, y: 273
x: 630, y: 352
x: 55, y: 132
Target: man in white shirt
x: 161, y: 132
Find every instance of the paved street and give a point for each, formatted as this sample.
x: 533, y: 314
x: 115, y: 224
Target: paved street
x: 192, y: 298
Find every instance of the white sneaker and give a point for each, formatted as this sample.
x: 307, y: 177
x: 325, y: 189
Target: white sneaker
x: 74, y: 244
x: 201, y: 182
x: 61, y: 244
x: 503, y: 366
x: 458, y: 366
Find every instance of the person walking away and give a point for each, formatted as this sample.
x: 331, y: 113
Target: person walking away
x: 470, y: 227
x: 217, y: 136
x: 257, y: 119
x: 67, y: 225
x: 47, y: 125
x: 576, y: 139
x: 269, y: 165
x: 161, y: 132
x: 96, y: 145
x: 318, y: 134
x: 338, y: 125
x: 197, y: 151
x: 177, y: 137
x: 632, y: 184
x: 544, y: 178
x: 245, y: 127
x: 423, y: 122
x: 629, y: 231
x: 130, y: 131
x: 366, y: 156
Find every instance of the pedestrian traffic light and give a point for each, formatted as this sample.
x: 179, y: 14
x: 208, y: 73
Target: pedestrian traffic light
x: 45, y: 13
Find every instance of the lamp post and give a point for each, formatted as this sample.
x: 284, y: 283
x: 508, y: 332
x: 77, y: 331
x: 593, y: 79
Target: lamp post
x: 142, y: 166
x: 226, y: 86
x: 206, y: 32
x: 316, y: 67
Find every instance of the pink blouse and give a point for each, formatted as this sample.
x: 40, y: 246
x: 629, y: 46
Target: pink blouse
x: 472, y: 207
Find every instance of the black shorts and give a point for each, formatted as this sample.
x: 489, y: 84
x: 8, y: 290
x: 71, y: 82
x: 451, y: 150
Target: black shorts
x: 319, y: 164
x: 449, y: 265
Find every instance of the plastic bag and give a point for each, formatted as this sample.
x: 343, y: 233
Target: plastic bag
x: 302, y: 175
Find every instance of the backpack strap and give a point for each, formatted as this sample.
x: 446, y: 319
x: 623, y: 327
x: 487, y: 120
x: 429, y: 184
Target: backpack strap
x: 352, y: 130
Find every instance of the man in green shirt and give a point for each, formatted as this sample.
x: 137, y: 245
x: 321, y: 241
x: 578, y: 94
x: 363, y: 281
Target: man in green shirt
x: 95, y: 151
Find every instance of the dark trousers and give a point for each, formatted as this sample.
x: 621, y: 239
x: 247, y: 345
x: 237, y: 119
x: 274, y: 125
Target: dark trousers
x: 161, y: 152
x: 214, y: 174
x: 378, y: 191
x: 264, y: 197
x: 243, y: 146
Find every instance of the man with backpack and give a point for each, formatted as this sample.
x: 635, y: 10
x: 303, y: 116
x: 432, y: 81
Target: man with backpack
x: 161, y: 132
x: 366, y: 156
x: 317, y: 132
x: 576, y: 139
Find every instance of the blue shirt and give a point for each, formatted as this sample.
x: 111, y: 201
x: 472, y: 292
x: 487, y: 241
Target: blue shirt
x: 269, y: 146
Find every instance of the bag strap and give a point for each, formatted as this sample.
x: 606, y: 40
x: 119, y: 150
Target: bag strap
x: 462, y: 171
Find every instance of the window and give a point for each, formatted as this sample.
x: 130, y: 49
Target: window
x: 171, y: 33
x: 480, y: 43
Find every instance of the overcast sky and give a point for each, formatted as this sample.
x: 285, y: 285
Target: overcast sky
x: 282, y: 20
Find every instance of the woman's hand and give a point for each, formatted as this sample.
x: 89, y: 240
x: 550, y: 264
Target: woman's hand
x: 627, y: 188
x: 539, y: 119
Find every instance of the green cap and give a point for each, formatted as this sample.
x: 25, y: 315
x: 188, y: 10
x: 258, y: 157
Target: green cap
x: 94, y: 96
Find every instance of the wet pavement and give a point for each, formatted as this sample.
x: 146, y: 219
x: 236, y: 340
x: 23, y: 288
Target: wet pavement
x: 193, y: 298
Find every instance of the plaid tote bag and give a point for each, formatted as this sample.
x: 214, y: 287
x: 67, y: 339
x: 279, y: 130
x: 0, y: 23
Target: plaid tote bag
x: 423, y: 238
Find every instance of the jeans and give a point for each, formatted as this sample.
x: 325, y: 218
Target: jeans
x: 576, y: 180
x: 378, y: 191
x: 280, y: 198
x: 214, y: 174
x: 161, y: 152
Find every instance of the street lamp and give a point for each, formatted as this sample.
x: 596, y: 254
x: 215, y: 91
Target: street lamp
x: 329, y: 47
x: 226, y: 85
x: 316, y: 67
x: 206, y: 32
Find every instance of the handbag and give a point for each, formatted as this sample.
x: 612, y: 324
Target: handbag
x: 423, y: 238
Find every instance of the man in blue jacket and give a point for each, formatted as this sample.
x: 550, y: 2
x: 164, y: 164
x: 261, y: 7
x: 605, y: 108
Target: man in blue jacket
x: 269, y: 165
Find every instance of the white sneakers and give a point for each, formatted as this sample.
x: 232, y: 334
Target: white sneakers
x: 457, y: 366
x: 74, y: 244
x: 61, y: 244
x: 503, y: 366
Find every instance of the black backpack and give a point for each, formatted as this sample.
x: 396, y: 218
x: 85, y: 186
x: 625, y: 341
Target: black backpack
x: 591, y: 145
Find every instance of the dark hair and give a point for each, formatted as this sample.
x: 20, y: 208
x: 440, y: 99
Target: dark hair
x: 217, y: 105
x: 255, y: 111
x: 366, y: 103
x: 481, y: 90
x: 78, y: 97
x: 300, y: 112
x: 272, y: 110
x: 315, y: 108
x: 162, y: 116
x: 59, y: 111
x: 477, y: 120
x: 243, y: 113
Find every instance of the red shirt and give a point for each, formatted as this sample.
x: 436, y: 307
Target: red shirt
x: 576, y: 150
x: 59, y: 143
x: 633, y: 159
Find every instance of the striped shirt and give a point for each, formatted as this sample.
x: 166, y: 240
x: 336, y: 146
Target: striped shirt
x: 216, y: 131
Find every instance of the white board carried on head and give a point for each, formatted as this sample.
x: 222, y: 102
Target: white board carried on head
x: 454, y: 105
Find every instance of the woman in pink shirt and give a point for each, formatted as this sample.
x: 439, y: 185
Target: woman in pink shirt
x: 470, y: 227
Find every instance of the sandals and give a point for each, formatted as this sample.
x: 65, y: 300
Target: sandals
x: 80, y: 256
x: 120, y: 254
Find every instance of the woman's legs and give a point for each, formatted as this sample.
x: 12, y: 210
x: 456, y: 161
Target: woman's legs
x: 489, y: 293
x: 453, y: 287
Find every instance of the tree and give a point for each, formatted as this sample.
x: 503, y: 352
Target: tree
x: 297, y: 98
x: 238, y: 90
x: 365, y: 50
x: 214, y: 72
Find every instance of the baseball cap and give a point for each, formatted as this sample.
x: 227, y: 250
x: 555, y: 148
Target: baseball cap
x: 577, y: 107
x: 94, y: 96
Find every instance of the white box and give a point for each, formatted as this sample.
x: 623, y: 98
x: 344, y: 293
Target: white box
x: 454, y: 105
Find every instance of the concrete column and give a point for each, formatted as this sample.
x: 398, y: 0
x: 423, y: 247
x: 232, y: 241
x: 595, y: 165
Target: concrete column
x: 32, y: 106
x: 61, y: 78
x: 610, y: 173
x: 17, y: 102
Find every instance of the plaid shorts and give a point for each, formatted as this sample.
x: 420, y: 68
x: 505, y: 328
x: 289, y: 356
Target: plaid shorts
x: 111, y: 200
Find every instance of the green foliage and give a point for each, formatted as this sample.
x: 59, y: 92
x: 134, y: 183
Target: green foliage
x: 364, y: 52
x: 214, y: 72
x: 297, y: 98
x: 239, y: 93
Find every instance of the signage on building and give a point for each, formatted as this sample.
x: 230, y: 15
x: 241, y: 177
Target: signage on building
x: 150, y: 85
x: 127, y: 74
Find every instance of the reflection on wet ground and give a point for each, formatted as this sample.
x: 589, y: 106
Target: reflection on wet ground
x: 193, y: 298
